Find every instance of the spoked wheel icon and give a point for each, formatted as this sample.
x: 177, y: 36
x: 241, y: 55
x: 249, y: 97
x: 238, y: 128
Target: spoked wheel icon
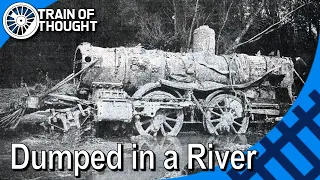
x: 21, y: 20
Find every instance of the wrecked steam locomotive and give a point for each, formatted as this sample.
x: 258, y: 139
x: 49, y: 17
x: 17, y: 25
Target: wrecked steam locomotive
x: 157, y: 92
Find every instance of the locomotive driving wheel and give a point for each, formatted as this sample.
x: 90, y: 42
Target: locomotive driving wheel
x: 166, y: 121
x: 225, y: 113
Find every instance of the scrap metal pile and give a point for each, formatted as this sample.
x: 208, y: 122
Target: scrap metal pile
x: 157, y: 92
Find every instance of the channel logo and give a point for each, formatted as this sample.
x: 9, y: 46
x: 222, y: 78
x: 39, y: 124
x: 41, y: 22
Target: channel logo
x: 21, y: 20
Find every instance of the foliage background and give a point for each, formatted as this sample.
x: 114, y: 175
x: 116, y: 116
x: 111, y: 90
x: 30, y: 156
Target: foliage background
x: 288, y: 26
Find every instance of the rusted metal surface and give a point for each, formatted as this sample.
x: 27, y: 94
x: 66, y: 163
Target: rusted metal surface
x: 136, y: 66
x: 65, y: 119
x: 114, y: 110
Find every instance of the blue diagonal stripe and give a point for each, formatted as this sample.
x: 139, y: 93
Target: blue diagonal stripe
x: 296, y: 158
x: 310, y: 140
x: 277, y: 170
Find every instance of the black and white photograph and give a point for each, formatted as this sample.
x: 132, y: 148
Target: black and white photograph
x: 158, y: 75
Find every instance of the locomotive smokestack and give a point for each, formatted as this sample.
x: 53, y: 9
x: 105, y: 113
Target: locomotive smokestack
x: 204, y: 40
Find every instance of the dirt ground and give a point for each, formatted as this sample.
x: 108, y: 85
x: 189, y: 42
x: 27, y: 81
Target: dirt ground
x: 35, y: 138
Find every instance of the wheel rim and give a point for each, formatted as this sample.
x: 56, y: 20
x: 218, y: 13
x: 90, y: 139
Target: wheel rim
x: 167, y: 122
x: 21, y: 20
x: 225, y: 114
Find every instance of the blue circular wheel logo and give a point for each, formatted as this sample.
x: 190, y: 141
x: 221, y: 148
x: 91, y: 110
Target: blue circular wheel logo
x: 21, y: 20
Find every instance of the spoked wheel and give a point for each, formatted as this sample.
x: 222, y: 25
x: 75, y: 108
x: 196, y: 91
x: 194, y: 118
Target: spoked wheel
x: 225, y: 113
x: 166, y: 121
x: 21, y: 20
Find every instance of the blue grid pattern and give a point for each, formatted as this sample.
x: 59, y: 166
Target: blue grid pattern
x: 290, y: 152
